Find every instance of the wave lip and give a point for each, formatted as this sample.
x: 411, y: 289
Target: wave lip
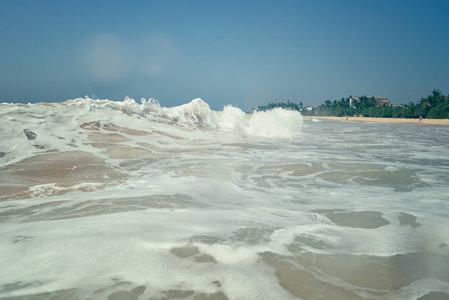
x: 196, y: 112
x: 276, y: 123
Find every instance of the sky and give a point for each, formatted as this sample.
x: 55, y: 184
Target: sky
x: 244, y: 53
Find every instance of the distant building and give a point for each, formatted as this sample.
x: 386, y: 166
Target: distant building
x: 380, y: 101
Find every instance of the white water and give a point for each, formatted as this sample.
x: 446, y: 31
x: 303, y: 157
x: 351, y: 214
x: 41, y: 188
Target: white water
x: 139, y: 201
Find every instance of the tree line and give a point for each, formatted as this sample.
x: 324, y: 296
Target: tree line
x: 285, y: 105
x: 434, y: 106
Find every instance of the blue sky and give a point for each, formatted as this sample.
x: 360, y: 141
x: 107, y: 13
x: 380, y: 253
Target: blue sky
x: 245, y: 53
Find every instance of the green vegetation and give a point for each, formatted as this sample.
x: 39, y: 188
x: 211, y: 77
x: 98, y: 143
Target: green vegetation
x: 288, y: 105
x: 435, y: 106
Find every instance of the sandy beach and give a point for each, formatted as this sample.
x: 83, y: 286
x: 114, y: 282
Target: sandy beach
x: 395, y: 120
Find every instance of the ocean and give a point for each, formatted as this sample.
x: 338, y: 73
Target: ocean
x: 117, y: 200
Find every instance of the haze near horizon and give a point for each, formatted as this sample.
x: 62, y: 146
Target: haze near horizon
x: 243, y: 53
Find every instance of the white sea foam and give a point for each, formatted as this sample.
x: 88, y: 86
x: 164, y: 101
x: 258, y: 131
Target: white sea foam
x: 120, y: 199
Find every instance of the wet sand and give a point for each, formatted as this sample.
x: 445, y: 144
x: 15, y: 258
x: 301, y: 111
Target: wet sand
x: 391, y: 120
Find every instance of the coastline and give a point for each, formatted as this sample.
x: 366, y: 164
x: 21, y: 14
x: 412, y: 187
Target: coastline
x: 384, y: 120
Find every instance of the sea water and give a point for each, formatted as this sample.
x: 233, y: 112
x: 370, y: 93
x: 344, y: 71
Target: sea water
x: 123, y: 200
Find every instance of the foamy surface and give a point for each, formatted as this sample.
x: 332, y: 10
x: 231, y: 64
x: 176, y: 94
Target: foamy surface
x: 124, y: 200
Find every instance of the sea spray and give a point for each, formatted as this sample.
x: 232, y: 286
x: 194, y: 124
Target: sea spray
x: 276, y: 123
x: 196, y: 112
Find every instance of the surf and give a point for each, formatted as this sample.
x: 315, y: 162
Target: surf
x: 109, y: 199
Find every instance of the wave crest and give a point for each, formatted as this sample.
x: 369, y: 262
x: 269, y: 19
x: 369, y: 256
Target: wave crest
x: 275, y: 123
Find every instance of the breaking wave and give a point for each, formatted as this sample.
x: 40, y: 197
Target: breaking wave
x: 276, y: 123
x: 108, y: 199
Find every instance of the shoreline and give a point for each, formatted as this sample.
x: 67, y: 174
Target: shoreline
x: 384, y: 120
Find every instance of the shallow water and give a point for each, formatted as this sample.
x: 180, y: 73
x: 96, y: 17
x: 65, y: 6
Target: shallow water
x: 119, y: 200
